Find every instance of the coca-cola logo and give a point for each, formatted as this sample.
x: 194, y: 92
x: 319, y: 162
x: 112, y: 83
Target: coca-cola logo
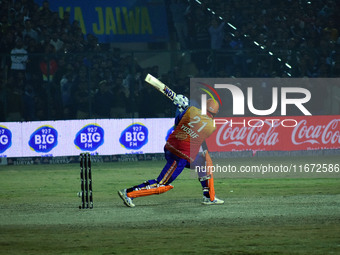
x: 307, y: 133
x: 316, y: 134
x: 240, y: 136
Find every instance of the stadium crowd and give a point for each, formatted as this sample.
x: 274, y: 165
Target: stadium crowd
x: 304, y: 34
x: 50, y: 70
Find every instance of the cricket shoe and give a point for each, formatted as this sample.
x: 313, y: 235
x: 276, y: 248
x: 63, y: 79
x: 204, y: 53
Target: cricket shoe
x: 127, y: 200
x: 216, y: 201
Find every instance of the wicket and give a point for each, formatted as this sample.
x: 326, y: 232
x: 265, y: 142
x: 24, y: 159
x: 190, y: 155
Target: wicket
x: 86, y: 181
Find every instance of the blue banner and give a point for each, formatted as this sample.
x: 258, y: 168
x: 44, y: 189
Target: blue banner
x: 118, y: 20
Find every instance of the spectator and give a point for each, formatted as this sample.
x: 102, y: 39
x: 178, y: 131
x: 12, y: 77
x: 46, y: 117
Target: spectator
x: 55, y: 23
x: 29, y: 32
x: 56, y: 42
x: 216, y: 31
x: 4, y: 25
x: 48, y: 65
x: 29, y: 97
x: 6, y: 45
x: 32, y: 68
x: 67, y: 95
x: 49, y: 93
x: 14, y: 96
x: 66, y: 22
x: 19, y: 58
x: 237, y: 45
x: 104, y: 99
x: 45, y: 12
x: 121, y: 103
x: 178, y: 10
x: 199, y: 36
x: 92, y: 43
x: 83, y: 96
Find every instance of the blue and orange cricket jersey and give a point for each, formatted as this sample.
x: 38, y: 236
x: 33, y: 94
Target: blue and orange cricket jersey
x: 192, y: 129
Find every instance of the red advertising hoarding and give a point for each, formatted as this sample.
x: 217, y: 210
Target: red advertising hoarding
x: 276, y: 133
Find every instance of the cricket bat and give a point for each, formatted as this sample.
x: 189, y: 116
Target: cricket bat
x: 160, y: 86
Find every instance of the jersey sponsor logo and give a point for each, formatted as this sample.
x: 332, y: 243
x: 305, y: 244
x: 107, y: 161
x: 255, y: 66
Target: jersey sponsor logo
x: 89, y: 138
x: 181, y: 135
x: 5, y: 138
x: 44, y: 139
x: 134, y: 136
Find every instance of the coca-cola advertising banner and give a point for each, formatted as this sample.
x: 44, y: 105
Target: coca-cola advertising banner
x: 276, y: 133
x: 270, y: 114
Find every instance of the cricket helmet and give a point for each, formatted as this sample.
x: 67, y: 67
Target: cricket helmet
x: 212, y: 106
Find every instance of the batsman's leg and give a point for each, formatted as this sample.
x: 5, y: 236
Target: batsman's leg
x: 206, y: 178
x: 171, y: 170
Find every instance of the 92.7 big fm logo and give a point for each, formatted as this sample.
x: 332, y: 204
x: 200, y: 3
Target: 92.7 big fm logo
x: 44, y: 139
x: 89, y: 138
x: 134, y: 136
x: 5, y: 138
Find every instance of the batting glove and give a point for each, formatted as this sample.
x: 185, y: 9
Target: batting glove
x: 182, y: 102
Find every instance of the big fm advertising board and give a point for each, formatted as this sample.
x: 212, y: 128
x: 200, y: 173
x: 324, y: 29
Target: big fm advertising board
x: 140, y: 136
x: 71, y: 137
x: 117, y: 21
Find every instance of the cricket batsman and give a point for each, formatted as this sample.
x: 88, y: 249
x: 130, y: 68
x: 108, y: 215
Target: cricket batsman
x: 182, y: 150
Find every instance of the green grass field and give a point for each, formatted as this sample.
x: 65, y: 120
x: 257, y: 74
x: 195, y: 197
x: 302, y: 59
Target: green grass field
x: 290, y: 215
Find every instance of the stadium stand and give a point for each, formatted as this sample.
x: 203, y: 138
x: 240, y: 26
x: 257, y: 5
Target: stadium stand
x: 60, y: 72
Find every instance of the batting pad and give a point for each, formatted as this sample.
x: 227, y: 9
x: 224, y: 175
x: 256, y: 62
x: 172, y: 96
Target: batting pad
x: 209, y: 164
x: 148, y: 192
